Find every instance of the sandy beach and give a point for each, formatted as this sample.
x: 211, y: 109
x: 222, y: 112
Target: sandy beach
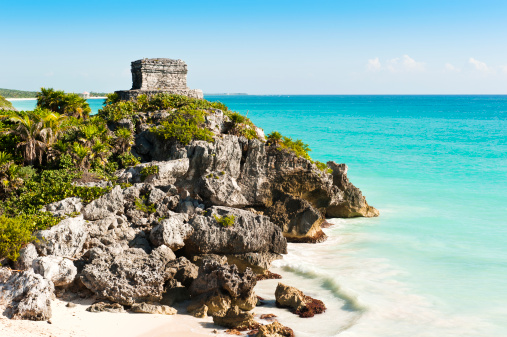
x: 77, y: 322
x: 20, y: 99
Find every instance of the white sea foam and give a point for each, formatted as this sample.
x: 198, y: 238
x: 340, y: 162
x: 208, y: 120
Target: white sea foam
x: 364, y: 296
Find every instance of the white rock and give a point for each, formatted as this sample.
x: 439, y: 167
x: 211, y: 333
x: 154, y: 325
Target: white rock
x: 59, y: 270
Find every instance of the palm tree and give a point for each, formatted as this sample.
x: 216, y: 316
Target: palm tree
x: 50, y: 99
x: 54, y: 127
x: 30, y: 129
x: 76, y: 106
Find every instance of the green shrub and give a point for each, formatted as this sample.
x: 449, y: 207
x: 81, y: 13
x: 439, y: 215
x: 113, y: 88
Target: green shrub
x: 321, y: 166
x: 143, y: 205
x: 184, y: 127
x: 128, y: 159
x: 116, y: 111
x: 148, y: 171
x: 274, y: 137
x: 111, y: 99
x: 225, y: 221
x: 14, y: 234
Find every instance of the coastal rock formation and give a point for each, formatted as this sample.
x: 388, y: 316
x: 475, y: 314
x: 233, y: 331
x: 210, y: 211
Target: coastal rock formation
x: 26, y: 256
x: 236, y: 319
x: 59, y: 270
x: 64, y: 207
x: 110, y: 203
x: 221, y: 286
x: 299, y: 303
x: 65, y: 239
x: 160, y: 75
x: 127, y: 276
x: 25, y: 295
x: 106, y: 307
x: 274, y: 329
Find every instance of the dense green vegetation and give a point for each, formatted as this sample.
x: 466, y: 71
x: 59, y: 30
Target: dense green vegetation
x: 5, y: 104
x: 10, y: 93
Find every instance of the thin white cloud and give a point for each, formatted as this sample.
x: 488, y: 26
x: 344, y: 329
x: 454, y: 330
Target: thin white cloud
x: 504, y: 69
x: 478, y: 65
x: 451, y: 68
x: 374, y: 64
x: 405, y: 63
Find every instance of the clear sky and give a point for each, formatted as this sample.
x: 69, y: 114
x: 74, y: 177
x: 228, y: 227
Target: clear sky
x: 260, y: 47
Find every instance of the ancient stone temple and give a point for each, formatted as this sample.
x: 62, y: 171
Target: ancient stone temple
x: 153, y: 76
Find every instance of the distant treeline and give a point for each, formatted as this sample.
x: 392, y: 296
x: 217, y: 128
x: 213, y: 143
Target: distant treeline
x: 11, y: 93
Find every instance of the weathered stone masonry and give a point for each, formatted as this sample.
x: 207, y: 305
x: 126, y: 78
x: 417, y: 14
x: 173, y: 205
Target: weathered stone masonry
x: 153, y: 76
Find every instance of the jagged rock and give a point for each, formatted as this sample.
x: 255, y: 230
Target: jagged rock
x: 156, y: 195
x: 237, y: 319
x: 26, y: 256
x: 258, y: 262
x: 174, y: 294
x: 127, y: 276
x: 171, y: 232
x: 106, y: 307
x: 287, y: 296
x: 220, y: 286
x: 109, y: 204
x: 112, y: 229
x: 353, y: 203
x: 147, y: 308
x: 64, y: 207
x: 250, y: 233
x: 299, y: 303
x: 201, y: 312
x: 182, y: 270
x: 65, y: 239
x: 274, y: 329
x: 168, y: 172
x: 222, y: 190
x: 59, y: 270
x: 300, y: 221
x: 25, y: 295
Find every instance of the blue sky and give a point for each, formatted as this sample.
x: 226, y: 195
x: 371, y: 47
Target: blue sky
x: 260, y: 47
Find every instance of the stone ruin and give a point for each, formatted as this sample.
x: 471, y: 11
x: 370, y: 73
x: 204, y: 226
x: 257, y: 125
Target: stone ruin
x: 154, y: 76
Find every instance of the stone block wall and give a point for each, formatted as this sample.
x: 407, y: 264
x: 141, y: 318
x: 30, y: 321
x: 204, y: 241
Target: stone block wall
x: 159, y: 74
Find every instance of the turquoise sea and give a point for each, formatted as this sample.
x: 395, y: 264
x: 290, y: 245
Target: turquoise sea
x: 435, y: 262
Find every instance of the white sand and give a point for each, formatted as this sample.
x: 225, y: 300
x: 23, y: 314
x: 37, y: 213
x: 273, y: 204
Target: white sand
x: 77, y: 322
x: 20, y: 99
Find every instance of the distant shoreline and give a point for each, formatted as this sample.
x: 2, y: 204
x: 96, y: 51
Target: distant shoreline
x: 31, y: 99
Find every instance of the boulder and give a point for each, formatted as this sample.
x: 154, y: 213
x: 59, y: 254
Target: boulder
x: 148, y: 308
x: 299, y: 303
x: 220, y: 286
x: 236, y: 319
x: 222, y: 190
x: 274, y: 329
x: 109, y: 204
x: 258, y: 262
x: 182, y: 270
x: 127, y: 276
x: 59, y: 270
x: 249, y: 233
x: 64, y: 207
x: 171, y: 232
x: 26, y: 295
x: 65, y: 239
x: 26, y: 256
x: 106, y: 307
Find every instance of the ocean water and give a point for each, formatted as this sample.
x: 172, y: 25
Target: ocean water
x: 30, y: 104
x: 435, y: 262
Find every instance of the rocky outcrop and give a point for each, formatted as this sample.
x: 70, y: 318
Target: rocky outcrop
x: 221, y: 286
x: 106, y: 307
x: 25, y: 295
x: 127, y: 276
x: 65, y: 239
x: 64, y: 207
x: 171, y: 232
x: 250, y: 233
x: 109, y: 204
x: 168, y: 172
x: 59, y: 270
x: 299, y: 303
x: 353, y: 204
x: 26, y: 256
x: 236, y: 319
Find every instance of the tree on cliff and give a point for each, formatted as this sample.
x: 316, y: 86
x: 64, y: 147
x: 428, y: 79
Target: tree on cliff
x: 60, y: 102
